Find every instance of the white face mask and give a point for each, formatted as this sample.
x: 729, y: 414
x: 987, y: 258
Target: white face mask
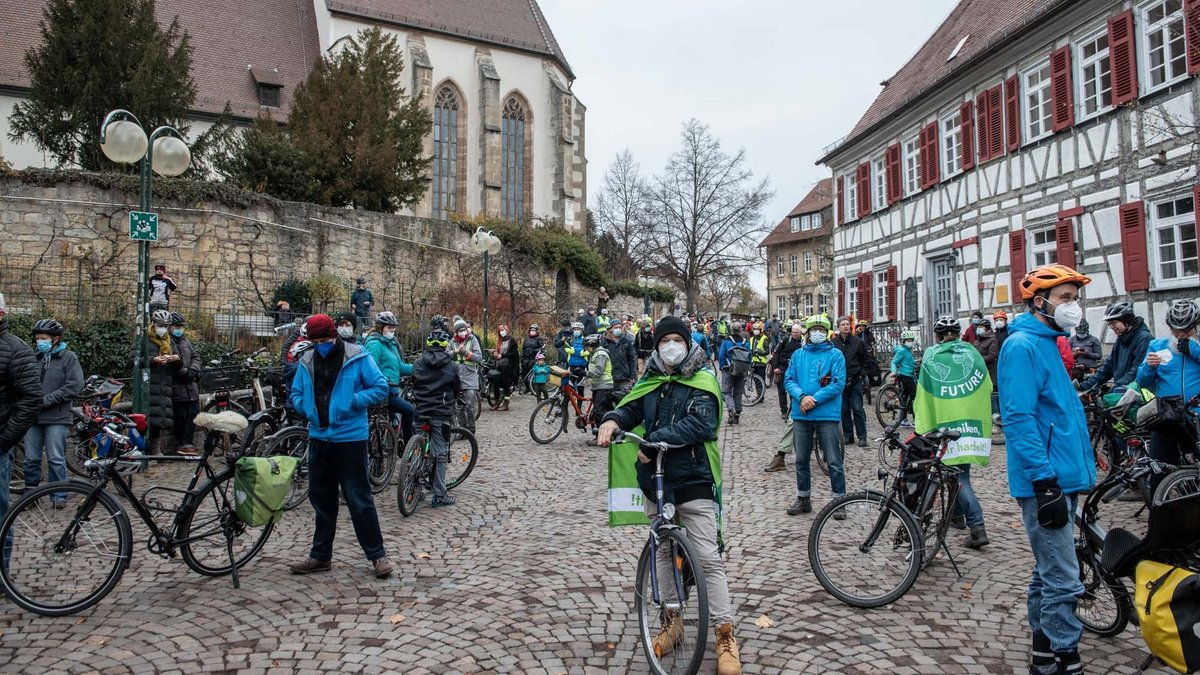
x: 617, y: 332
x: 346, y: 332
x: 1001, y: 323
x: 503, y: 333
x: 1068, y: 315
x: 817, y: 337
x: 672, y: 353
x: 160, y: 330
x: 908, y: 343
x: 389, y: 333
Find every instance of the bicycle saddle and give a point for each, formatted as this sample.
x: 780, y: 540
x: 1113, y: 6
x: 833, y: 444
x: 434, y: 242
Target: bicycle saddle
x: 229, y: 421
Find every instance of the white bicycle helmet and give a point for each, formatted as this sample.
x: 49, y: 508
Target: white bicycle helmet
x: 386, y: 319
x: 1183, y: 315
x: 161, y: 317
x: 298, y: 348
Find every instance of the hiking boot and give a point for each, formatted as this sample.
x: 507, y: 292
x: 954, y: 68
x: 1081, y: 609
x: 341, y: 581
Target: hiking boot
x: 729, y: 661
x: 777, y: 464
x: 977, y: 539
x: 504, y: 406
x: 669, y: 634
x: 801, y: 505
x: 958, y: 521
x: 862, y: 443
x: 311, y: 565
x: 442, y: 501
x: 383, y: 567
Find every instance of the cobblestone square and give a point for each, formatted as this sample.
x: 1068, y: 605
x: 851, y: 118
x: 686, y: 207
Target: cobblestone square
x: 524, y: 576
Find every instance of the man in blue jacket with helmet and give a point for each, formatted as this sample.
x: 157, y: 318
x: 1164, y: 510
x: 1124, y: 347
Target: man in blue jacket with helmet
x: 814, y: 380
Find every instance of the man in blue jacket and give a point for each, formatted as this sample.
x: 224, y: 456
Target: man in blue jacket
x: 1172, y: 370
x: 1133, y: 339
x: 334, y: 385
x: 815, y: 379
x: 1049, y: 458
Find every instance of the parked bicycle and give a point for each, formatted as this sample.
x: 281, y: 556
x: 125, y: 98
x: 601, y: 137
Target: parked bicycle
x: 417, y: 466
x: 291, y: 441
x: 69, y: 542
x: 98, y: 397
x: 549, y: 418
x: 867, y: 548
x: 754, y: 390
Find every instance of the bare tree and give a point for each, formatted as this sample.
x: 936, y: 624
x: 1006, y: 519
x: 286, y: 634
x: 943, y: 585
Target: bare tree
x: 719, y: 290
x: 621, y: 210
x: 706, y: 213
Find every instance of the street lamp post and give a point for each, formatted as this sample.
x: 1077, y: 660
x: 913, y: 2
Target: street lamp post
x: 644, y: 283
x: 487, y: 244
x: 123, y: 140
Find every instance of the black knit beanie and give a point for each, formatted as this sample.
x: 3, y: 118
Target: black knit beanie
x: 672, y: 324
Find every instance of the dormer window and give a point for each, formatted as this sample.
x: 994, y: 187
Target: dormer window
x: 958, y: 47
x: 268, y: 95
x: 269, y: 86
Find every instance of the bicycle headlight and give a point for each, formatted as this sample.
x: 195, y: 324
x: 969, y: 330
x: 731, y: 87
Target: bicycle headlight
x: 669, y: 511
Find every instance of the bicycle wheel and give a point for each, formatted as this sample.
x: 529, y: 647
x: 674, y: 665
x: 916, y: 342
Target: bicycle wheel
x: 870, y: 557
x: 888, y: 406
x: 1178, y: 484
x: 464, y: 452
x: 292, y: 442
x: 1103, y: 608
x: 819, y: 455
x: 60, y: 561
x: 261, y: 428
x: 209, y: 527
x: 755, y: 388
x: 548, y: 421
x: 77, y: 453
x: 677, y: 609
x: 381, y: 455
x: 934, y: 520
x: 408, y: 486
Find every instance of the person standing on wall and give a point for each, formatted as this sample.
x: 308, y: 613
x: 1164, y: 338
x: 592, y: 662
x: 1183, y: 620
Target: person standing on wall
x: 361, y: 301
x: 160, y: 288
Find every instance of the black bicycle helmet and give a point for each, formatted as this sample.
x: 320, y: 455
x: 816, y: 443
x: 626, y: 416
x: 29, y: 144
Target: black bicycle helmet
x: 1121, y: 310
x: 386, y: 319
x: 346, y: 316
x: 946, y: 324
x: 49, y: 327
x: 438, y: 321
x: 1183, y: 315
x: 177, y: 319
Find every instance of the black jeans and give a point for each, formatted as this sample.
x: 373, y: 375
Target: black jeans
x: 183, y: 419
x: 854, y: 417
x: 331, y: 465
x: 908, y: 393
x: 785, y: 405
x: 1169, y: 446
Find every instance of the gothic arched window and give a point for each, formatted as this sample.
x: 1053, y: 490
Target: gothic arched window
x: 514, y: 157
x: 446, y: 166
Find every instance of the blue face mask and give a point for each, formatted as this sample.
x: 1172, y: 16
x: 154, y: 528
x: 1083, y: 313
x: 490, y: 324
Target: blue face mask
x: 44, y: 346
x: 323, y: 348
x: 578, y: 333
x: 178, y: 332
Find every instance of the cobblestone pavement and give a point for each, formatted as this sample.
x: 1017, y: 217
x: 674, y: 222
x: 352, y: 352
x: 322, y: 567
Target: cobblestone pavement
x: 524, y: 576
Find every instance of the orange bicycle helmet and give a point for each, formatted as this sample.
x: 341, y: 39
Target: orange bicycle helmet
x: 1049, y: 276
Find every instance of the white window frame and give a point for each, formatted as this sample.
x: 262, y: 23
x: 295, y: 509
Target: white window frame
x: 950, y: 143
x: 1154, y: 228
x: 781, y: 305
x: 911, y: 151
x: 795, y: 222
x: 1042, y: 89
x: 794, y: 264
x: 1143, y: 45
x: 852, y: 295
x: 779, y: 266
x: 816, y: 220
x: 850, y: 185
x: 808, y: 257
x: 808, y: 304
x: 879, y: 312
x: 879, y: 183
x: 1049, y: 247
x: 1101, y: 64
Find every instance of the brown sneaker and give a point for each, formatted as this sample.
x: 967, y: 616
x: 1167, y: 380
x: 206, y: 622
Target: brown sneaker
x: 383, y: 568
x: 777, y: 464
x: 311, y: 565
x: 729, y: 660
x: 669, y: 634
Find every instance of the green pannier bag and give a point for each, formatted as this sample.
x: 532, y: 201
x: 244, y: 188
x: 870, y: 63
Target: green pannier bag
x: 260, y: 488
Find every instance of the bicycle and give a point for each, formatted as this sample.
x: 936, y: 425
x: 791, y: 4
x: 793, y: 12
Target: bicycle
x: 1184, y: 480
x: 549, y: 418
x: 855, y: 526
x: 754, y: 390
x: 61, y: 561
x: 679, y: 606
x: 417, y: 465
x: 99, y: 394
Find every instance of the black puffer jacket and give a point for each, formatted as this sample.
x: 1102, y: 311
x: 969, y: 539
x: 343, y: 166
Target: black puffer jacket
x: 20, y: 388
x: 782, y: 357
x: 161, y: 380
x: 435, y: 384
x: 679, y: 415
x: 623, y: 358
x: 185, y: 372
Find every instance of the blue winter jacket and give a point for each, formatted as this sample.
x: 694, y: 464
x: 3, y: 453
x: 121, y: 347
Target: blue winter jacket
x: 359, y: 385
x: 389, y: 357
x: 809, y: 365
x: 1178, y: 377
x: 723, y: 354
x: 903, y: 362
x: 1043, y: 418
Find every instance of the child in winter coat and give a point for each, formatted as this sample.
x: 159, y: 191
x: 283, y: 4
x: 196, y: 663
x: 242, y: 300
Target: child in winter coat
x: 541, y: 375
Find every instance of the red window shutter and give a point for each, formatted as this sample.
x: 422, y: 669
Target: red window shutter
x: 1064, y: 235
x: 929, y: 156
x: 864, y: 296
x: 995, y: 100
x: 1016, y: 254
x: 895, y: 191
x: 841, y: 297
x: 841, y: 204
x: 1012, y: 113
x: 982, y: 127
x: 891, y: 293
x: 1133, y: 246
x: 966, y: 118
x: 864, y: 189
x: 1123, y: 58
x: 1061, y: 100
x: 1191, y: 28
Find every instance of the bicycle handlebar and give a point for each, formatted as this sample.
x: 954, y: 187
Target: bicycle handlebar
x: 629, y: 435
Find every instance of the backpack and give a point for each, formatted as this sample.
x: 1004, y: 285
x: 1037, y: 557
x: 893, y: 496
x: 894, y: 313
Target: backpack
x: 260, y: 488
x: 739, y: 359
x: 1167, y: 600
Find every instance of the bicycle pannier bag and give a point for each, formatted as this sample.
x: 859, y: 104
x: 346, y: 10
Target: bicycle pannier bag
x: 260, y: 488
x: 739, y: 360
x: 1167, y: 600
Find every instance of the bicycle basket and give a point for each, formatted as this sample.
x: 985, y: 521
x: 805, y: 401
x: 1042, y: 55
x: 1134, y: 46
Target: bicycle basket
x: 214, y: 379
x: 274, y: 377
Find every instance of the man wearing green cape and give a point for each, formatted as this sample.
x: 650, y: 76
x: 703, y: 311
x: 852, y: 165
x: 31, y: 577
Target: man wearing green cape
x: 954, y: 391
x: 678, y: 401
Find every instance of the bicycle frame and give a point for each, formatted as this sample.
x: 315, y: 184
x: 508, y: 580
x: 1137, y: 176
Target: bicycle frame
x: 570, y: 395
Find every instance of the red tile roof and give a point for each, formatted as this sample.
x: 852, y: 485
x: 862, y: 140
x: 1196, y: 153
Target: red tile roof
x: 820, y: 197
x: 987, y: 22
x: 517, y: 24
x: 229, y: 37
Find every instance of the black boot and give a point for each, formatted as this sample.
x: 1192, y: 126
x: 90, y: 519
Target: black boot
x: 1069, y: 663
x: 977, y: 539
x: 1042, y: 661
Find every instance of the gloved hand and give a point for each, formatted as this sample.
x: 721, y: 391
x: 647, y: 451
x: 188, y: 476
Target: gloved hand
x: 1185, y: 346
x: 1051, y: 504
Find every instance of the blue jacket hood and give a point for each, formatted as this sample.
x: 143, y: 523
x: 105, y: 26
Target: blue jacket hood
x: 359, y: 385
x: 805, y: 372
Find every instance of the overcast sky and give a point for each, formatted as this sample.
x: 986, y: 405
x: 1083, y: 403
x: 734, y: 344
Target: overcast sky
x: 781, y: 78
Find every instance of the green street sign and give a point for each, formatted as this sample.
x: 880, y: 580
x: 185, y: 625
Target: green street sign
x: 143, y: 226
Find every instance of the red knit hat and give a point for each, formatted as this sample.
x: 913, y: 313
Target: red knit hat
x: 320, y: 326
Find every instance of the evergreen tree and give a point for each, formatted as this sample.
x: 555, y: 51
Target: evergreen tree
x: 96, y: 56
x: 362, y: 133
x: 265, y: 159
